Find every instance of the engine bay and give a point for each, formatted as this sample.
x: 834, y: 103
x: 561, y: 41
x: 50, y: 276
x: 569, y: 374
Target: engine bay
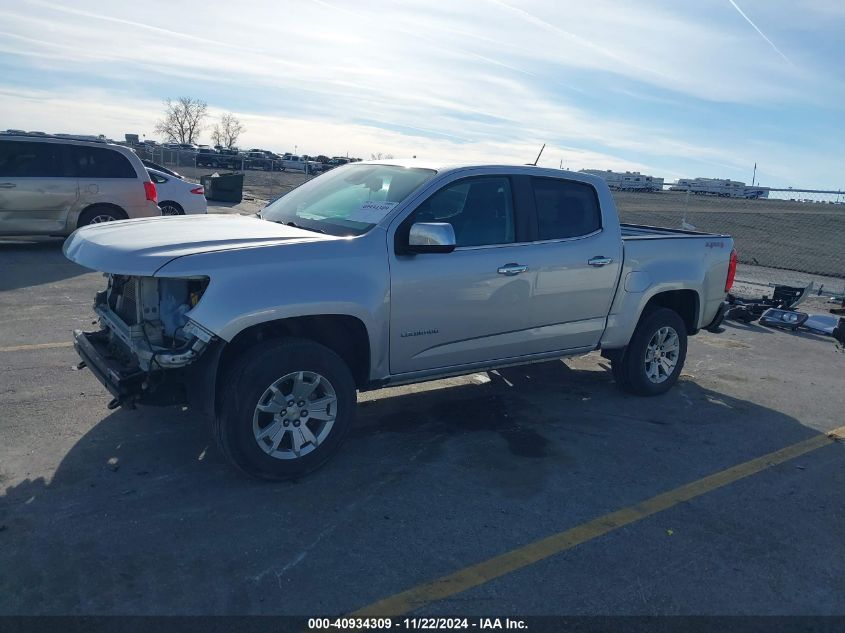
x: 147, y: 321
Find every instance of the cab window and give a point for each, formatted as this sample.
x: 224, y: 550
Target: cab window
x: 480, y: 210
x: 565, y: 208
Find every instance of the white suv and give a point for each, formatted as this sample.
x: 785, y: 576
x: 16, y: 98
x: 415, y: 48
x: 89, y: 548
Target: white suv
x: 52, y: 185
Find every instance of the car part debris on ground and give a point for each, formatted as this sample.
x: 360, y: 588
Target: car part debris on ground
x: 778, y: 311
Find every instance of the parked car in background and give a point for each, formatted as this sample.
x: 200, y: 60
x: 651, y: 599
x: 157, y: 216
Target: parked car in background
x: 207, y: 157
x: 230, y: 158
x: 257, y: 160
x: 52, y: 186
x: 177, y: 196
x: 298, y: 163
x: 334, y: 162
x: 415, y: 272
x: 165, y: 170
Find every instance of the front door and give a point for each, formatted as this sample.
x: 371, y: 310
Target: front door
x: 468, y: 306
x: 37, y: 187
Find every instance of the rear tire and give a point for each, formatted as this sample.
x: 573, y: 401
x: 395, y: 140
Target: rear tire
x: 100, y: 213
x: 653, y: 360
x: 264, y: 426
x: 168, y: 207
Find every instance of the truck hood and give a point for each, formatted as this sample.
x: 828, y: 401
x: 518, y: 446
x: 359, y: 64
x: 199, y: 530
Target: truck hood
x: 140, y: 247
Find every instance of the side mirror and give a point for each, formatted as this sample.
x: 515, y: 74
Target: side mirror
x: 431, y: 237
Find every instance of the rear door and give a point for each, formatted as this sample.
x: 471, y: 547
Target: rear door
x: 107, y: 176
x: 37, y: 187
x: 577, y: 255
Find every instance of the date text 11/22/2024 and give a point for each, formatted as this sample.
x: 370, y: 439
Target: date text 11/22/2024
x: 424, y: 624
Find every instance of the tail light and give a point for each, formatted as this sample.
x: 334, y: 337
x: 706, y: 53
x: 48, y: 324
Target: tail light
x: 729, y: 282
x: 198, y: 190
x: 150, y: 191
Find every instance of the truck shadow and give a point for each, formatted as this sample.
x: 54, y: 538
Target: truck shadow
x: 146, y: 493
x: 532, y: 409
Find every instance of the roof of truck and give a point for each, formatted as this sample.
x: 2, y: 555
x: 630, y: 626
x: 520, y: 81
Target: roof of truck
x: 442, y: 166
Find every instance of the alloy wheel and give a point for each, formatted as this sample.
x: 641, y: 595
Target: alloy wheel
x: 294, y: 415
x: 661, y: 355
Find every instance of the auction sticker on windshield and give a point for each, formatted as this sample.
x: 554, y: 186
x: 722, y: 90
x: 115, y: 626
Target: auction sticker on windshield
x: 371, y: 211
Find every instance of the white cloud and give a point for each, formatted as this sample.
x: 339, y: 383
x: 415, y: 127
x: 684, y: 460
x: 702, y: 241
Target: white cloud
x: 482, y: 78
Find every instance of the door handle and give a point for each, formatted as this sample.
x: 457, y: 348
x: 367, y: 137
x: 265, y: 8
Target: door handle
x: 599, y: 261
x: 512, y: 269
x: 7, y: 185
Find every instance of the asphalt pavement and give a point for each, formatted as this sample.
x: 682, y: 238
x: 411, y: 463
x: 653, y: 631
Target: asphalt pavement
x: 136, y: 512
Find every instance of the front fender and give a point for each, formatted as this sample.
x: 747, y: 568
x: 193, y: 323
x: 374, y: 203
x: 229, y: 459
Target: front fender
x: 252, y: 286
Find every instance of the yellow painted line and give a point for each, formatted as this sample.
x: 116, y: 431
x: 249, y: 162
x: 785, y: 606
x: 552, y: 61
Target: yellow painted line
x: 493, y: 568
x: 22, y: 348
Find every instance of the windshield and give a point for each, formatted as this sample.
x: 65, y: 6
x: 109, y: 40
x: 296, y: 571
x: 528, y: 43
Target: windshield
x: 348, y: 200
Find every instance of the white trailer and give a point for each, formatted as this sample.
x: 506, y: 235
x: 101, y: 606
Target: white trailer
x: 723, y: 188
x: 627, y: 181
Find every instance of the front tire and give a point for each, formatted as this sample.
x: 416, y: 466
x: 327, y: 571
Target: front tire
x: 287, y: 407
x: 653, y: 360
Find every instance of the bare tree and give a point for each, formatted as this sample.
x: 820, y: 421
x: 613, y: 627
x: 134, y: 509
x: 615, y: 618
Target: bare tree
x: 183, y: 119
x: 226, y: 132
x: 380, y: 156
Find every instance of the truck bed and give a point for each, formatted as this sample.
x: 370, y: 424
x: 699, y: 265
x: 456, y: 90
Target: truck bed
x: 643, y: 232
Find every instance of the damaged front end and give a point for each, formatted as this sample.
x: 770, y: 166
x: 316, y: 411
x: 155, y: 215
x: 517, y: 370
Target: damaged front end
x: 147, y: 345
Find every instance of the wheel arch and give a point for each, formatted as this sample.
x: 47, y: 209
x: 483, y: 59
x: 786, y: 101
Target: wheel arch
x: 174, y: 203
x: 98, y: 205
x: 685, y: 302
x: 345, y: 335
x: 629, y: 308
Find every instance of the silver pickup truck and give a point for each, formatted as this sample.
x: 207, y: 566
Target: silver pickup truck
x: 385, y: 273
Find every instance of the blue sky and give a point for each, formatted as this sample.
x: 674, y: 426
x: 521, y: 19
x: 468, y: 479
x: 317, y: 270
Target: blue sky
x: 676, y: 89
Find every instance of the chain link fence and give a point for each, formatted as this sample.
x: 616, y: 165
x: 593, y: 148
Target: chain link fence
x: 791, y: 237
x: 263, y: 178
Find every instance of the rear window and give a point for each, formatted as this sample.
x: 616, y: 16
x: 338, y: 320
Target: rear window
x: 565, y: 208
x: 101, y: 162
x: 24, y: 159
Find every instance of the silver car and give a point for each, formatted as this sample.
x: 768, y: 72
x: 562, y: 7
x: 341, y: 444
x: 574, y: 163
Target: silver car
x: 53, y: 185
x: 387, y: 273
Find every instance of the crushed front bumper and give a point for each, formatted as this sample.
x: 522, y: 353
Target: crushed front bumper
x: 128, y: 385
x: 193, y: 384
x: 125, y: 384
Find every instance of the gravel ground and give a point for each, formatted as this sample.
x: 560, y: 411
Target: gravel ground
x: 774, y: 234
x: 266, y: 185
x: 806, y: 237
